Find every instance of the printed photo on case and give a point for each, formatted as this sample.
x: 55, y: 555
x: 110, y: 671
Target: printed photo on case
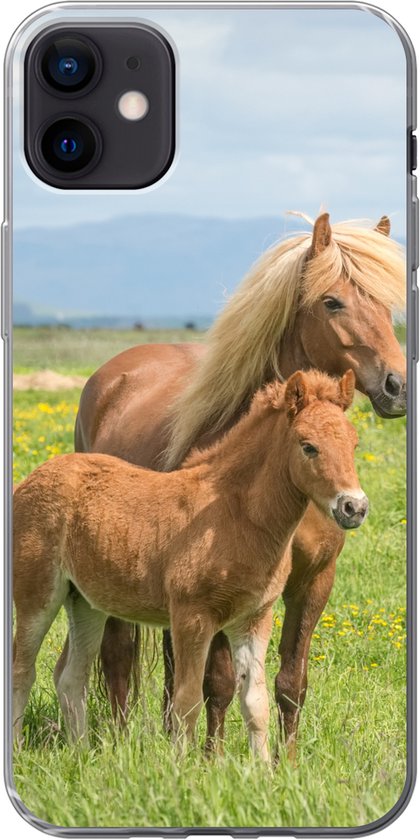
x: 210, y: 494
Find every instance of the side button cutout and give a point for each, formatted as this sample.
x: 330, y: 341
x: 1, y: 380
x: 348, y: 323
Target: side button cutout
x: 5, y: 280
x: 413, y: 152
x: 415, y: 323
x: 415, y: 223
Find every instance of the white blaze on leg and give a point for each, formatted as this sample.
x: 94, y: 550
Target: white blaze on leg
x: 86, y: 627
x: 249, y: 652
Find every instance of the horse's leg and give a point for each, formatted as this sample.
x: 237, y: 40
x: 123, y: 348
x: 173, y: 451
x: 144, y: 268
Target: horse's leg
x: 305, y: 596
x: 118, y: 659
x: 191, y: 638
x: 86, y: 627
x: 31, y: 629
x: 219, y: 689
x: 168, y: 688
x: 249, y: 651
x: 61, y: 661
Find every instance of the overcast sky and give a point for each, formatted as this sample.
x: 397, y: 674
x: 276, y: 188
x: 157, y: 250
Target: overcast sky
x: 278, y: 110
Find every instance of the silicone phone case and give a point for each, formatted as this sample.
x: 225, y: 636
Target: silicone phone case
x: 220, y: 303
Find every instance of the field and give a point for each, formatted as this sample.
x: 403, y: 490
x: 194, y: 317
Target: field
x: 352, y: 738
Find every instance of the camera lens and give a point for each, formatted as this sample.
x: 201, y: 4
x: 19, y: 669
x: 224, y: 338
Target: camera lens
x: 70, y: 64
x: 70, y: 145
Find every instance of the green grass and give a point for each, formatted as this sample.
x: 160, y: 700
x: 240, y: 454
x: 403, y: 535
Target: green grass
x: 352, y: 752
x: 82, y: 351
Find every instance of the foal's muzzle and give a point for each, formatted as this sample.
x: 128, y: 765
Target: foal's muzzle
x: 351, y: 511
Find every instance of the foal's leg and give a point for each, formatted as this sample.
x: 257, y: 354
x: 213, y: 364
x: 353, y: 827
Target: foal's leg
x: 305, y: 596
x: 218, y: 687
x: 249, y: 650
x: 191, y: 638
x: 86, y: 627
x: 31, y: 628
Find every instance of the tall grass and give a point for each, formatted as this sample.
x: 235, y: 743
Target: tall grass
x: 352, y: 751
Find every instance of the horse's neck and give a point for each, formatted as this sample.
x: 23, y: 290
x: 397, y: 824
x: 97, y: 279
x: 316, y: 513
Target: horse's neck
x: 292, y: 355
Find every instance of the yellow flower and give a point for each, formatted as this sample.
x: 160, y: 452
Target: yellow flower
x: 373, y: 664
x: 45, y: 408
x: 369, y: 456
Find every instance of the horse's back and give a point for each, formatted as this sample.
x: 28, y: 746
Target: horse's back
x: 125, y: 405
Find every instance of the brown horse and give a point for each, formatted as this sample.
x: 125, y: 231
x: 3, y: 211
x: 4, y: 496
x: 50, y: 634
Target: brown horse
x: 316, y: 300
x: 203, y: 548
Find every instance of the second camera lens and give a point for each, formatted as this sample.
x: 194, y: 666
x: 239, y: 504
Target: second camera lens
x: 70, y: 64
x: 70, y: 145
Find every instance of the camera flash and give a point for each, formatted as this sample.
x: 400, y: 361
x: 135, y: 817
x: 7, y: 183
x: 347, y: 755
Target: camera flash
x: 133, y: 105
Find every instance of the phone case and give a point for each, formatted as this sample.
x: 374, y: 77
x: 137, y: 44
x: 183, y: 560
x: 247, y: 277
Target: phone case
x: 198, y: 344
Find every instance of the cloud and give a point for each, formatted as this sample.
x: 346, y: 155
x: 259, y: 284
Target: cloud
x: 278, y: 108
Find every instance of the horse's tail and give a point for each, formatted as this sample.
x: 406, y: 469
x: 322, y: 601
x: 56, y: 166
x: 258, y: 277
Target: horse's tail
x: 148, y: 653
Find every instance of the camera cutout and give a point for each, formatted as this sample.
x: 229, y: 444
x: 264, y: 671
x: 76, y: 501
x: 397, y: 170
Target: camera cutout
x: 86, y: 125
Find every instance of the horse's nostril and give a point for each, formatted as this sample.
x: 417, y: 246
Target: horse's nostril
x: 349, y: 509
x: 393, y: 384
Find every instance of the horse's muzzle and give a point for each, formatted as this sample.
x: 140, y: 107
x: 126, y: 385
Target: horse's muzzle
x: 351, y: 511
x: 391, y: 400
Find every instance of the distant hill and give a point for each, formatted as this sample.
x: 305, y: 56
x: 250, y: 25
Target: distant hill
x: 156, y: 270
x: 161, y: 270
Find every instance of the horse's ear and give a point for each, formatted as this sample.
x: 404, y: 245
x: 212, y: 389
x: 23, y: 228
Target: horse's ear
x: 346, y: 386
x: 297, y: 394
x: 384, y: 226
x: 322, y: 235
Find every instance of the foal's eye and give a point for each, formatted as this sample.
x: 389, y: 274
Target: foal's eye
x: 333, y: 304
x: 309, y: 450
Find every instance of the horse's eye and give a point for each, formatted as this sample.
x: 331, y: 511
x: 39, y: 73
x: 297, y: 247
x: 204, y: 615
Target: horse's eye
x: 309, y: 450
x: 333, y: 304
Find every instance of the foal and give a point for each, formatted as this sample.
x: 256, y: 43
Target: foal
x: 203, y: 548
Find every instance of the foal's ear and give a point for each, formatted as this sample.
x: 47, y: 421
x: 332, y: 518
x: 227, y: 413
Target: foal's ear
x: 297, y: 394
x: 346, y: 386
x: 322, y: 235
x: 383, y: 226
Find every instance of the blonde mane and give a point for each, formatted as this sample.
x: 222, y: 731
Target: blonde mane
x: 244, y: 341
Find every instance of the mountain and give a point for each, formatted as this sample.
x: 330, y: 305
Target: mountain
x: 158, y: 269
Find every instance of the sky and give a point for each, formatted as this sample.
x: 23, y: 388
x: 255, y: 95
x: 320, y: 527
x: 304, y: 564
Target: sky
x: 278, y: 110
